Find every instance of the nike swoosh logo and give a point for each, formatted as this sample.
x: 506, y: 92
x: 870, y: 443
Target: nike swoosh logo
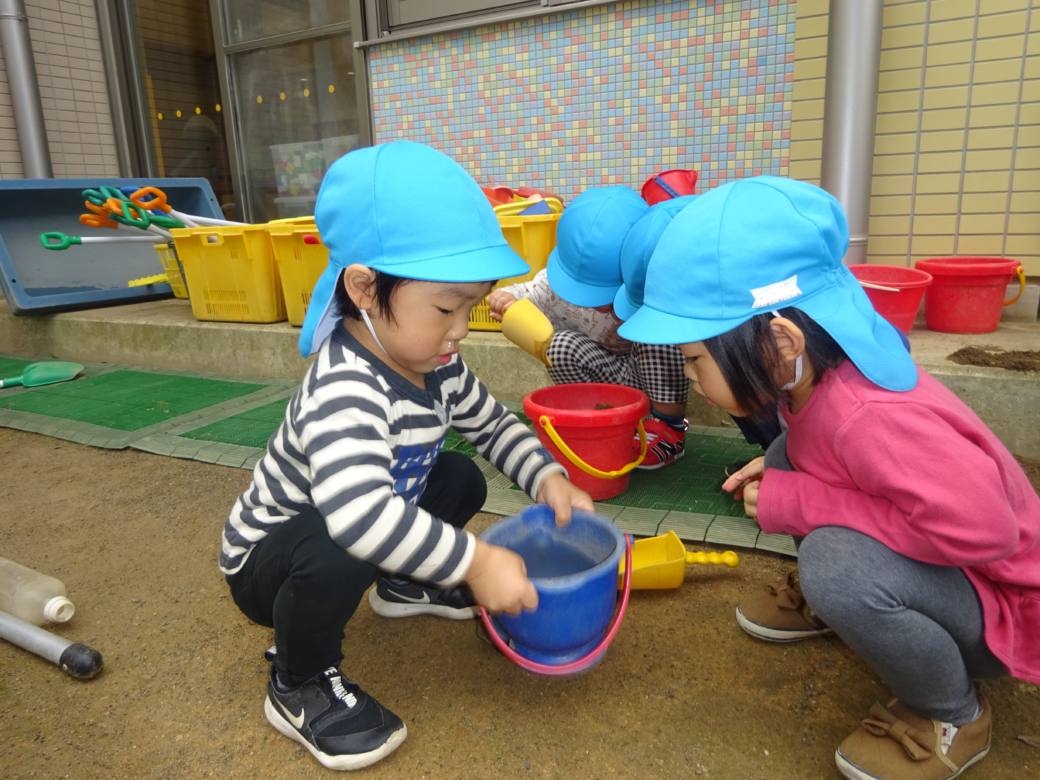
x: 424, y: 600
x: 296, y: 720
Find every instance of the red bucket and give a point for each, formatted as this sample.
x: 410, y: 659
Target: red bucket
x: 900, y: 303
x: 591, y: 429
x: 967, y: 293
x: 668, y: 184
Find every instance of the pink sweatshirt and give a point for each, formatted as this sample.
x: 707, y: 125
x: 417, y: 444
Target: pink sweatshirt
x: 922, y: 474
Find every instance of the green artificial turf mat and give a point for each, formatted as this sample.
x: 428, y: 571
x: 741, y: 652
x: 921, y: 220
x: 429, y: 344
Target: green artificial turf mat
x: 12, y: 367
x: 126, y: 400
x: 247, y: 429
x: 691, y: 484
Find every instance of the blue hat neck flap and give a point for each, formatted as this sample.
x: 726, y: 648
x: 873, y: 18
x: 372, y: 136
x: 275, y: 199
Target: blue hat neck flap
x: 755, y: 245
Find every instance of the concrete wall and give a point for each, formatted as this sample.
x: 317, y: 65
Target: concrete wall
x: 957, y: 151
x: 76, y: 111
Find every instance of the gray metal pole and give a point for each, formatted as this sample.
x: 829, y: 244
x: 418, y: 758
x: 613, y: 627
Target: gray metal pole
x: 25, y: 90
x: 75, y: 659
x: 849, y: 112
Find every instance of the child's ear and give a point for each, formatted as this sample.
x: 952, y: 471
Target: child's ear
x: 359, y: 282
x: 790, y: 340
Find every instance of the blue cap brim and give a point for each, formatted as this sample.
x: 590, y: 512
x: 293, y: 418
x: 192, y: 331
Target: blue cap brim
x: 624, y: 306
x: 842, y: 309
x: 573, y: 291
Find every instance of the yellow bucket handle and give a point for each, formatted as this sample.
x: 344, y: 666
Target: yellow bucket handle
x: 546, y: 423
x: 1020, y: 272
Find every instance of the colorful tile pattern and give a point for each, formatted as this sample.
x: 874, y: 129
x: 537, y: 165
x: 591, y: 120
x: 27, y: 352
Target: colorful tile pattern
x: 603, y: 95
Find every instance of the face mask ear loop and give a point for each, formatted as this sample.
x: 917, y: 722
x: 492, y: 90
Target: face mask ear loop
x: 371, y: 330
x: 798, y: 365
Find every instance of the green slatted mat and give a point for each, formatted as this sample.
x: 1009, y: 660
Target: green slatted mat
x: 126, y: 400
x: 248, y: 429
x: 10, y: 367
x: 692, y: 483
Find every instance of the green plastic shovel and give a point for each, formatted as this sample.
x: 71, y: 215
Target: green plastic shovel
x: 36, y: 374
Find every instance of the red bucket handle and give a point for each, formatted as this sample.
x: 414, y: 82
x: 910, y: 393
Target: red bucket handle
x: 580, y: 664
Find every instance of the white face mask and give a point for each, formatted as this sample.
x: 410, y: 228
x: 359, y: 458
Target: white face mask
x: 371, y: 330
x: 798, y: 365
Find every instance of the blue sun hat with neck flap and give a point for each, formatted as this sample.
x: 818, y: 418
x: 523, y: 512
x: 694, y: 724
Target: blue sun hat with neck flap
x: 367, y: 212
x: 585, y: 267
x: 639, y: 245
x: 754, y: 246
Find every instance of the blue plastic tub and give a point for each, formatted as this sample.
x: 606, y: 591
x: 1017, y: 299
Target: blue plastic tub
x: 575, y: 571
x: 36, y: 280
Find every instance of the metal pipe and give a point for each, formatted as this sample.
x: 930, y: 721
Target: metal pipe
x: 119, y: 101
x: 849, y: 112
x: 75, y: 659
x: 25, y: 90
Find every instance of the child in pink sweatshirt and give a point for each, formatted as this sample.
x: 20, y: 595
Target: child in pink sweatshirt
x: 920, y: 533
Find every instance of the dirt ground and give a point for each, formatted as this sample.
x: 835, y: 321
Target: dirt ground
x: 995, y: 357
x: 682, y: 692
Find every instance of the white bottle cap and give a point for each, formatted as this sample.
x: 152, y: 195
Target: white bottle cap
x: 59, y: 610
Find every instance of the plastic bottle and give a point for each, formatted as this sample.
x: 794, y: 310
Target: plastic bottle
x: 35, y: 598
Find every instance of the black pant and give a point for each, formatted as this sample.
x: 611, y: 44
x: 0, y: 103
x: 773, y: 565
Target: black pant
x: 298, y: 580
x: 759, y: 431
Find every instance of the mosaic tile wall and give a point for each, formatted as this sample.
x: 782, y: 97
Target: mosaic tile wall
x: 603, y: 95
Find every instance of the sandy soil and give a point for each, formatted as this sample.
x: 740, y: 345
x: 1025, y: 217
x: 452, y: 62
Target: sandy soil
x: 682, y: 693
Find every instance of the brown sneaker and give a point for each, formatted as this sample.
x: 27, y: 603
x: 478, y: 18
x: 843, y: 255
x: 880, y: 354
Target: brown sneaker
x: 895, y: 744
x: 781, y: 613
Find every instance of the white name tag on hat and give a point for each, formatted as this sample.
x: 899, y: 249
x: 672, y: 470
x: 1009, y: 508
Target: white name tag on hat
x: 777, y: 292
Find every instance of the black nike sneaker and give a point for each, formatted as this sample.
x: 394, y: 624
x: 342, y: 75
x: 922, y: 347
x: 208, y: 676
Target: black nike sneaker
x: 341, y: 725
x: 393, y: 597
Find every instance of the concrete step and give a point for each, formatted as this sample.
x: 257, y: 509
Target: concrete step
x: 164, y: 335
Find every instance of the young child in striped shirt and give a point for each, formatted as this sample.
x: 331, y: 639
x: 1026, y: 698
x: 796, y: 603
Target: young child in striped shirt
x: 355, y: 488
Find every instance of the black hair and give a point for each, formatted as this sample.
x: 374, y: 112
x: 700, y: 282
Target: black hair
x: 748, y: 359
x: 385, y: 284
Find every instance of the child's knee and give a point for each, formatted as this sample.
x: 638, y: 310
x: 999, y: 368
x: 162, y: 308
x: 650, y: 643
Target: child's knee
x: 831, y: 581
x: 565, y: 350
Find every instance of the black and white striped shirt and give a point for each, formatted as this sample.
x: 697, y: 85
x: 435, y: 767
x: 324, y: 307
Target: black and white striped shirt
x: 357, y: 444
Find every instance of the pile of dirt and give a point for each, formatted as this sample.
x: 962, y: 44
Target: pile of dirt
x: 995, y: 357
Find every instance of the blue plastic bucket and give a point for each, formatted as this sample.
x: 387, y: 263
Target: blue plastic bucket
x: 575, y: 571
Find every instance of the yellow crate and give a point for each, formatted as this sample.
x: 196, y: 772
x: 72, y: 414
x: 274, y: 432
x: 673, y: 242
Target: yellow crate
x: 532, y: 237
x: 301, y: 259
x: 174, y: 274
x: 231, y: 273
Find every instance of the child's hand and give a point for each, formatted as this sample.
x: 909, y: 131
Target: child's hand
x: 561, y: 496
x: 750, y: 491
x: 752, y: 470
x: 498, y: 301
x: 498, y: 579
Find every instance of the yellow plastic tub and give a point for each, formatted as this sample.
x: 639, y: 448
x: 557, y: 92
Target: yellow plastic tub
x: 301, y: 257
x: 532, y: 237
x: 231, y: 273
x: 172, y: 267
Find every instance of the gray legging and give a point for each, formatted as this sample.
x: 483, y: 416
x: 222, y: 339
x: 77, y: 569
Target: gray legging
x: 917, y: 625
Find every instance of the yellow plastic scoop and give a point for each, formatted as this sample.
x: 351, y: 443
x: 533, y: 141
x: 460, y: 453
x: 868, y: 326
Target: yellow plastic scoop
x: 659, y: 562
x: 526, y: 326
